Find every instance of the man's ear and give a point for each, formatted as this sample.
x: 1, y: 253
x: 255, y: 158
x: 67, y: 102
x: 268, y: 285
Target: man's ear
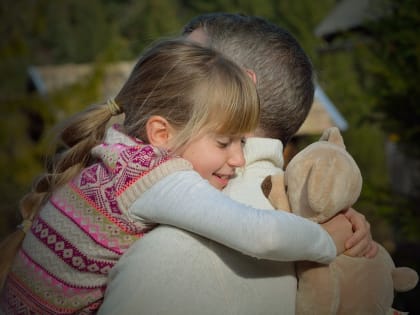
x: 159, y: 131
x: 252, y: 75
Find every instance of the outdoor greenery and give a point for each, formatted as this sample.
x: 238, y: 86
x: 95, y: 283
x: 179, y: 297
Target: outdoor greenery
x: 392, y: 73
x: 373, y: 83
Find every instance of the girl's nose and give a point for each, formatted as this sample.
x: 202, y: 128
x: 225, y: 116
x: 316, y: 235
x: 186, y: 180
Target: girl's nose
x: 237, y: 158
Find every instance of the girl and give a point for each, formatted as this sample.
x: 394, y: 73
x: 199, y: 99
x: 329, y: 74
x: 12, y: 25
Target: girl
x: 187, y: 110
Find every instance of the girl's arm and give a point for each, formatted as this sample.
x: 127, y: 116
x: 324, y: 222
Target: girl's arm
x: 183, y: 199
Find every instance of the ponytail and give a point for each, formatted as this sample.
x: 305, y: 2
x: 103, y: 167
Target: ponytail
x: 78, y: 135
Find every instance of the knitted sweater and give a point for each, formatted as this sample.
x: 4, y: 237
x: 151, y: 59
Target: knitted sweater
x: 84, y: 228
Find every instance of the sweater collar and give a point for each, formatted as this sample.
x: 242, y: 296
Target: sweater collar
x: 116, y: 143
x: 264, y: 149
x: 114, y: 135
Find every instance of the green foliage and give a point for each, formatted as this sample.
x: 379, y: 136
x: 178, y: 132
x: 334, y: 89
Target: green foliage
x: 74, y: 30
x: 145, y: 21
x: 392, y: 69
x: 301, y: 18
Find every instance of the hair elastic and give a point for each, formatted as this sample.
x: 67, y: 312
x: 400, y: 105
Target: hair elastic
x: 25, y: 225
x: 113, y: 107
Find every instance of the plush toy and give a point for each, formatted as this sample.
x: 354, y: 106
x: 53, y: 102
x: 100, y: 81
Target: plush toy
x: 319, y: 182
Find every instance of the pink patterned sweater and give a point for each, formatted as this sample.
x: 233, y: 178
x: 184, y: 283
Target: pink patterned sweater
x: 83, y: 230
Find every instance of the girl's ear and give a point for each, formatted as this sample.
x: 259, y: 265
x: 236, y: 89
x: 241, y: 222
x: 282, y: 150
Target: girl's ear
x: 159, y: 131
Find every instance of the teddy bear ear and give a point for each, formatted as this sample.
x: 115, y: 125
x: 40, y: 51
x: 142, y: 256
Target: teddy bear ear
x: 405, y: 279
x: 333, y: 135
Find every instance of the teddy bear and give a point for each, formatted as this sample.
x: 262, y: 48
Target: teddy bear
x: 319, y: 182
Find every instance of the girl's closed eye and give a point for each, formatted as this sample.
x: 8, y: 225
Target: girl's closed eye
x: 223, y: 142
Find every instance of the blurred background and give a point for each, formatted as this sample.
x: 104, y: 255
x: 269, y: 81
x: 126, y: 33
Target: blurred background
x: 57, y: 57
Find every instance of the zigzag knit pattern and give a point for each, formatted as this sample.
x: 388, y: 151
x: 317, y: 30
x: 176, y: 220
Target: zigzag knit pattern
x: 83, y: 229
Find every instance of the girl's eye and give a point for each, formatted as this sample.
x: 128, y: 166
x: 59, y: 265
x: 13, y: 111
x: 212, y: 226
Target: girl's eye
x: 222, y: 144
x: 243, y: 141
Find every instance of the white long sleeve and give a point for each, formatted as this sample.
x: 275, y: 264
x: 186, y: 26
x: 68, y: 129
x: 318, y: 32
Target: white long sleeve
x: 186, y: 201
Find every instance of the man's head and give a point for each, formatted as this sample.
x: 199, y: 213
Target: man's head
x: 283, y: 71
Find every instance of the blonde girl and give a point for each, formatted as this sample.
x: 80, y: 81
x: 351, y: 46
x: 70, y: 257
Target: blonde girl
x: 187, y: 110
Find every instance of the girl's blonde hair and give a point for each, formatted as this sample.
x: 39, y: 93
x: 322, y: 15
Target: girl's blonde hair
x: 194, y: 88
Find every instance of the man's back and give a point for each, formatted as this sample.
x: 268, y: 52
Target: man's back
x: 170, y: 271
